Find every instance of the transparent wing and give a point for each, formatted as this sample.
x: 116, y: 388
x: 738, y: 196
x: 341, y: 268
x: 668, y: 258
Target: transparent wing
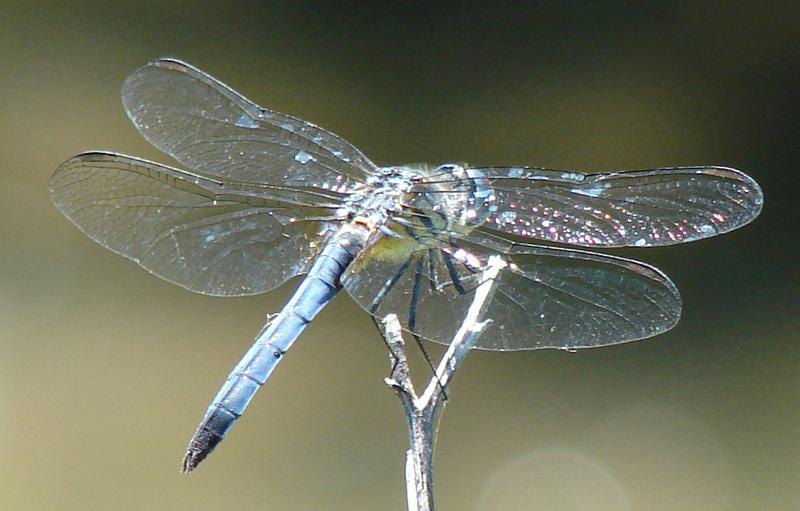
x: 199, y: 233
x: 628, y: 208
x: 546, y: 297
x: 206, y: 125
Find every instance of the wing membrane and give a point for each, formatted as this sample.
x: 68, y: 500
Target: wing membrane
x: 183, y: 228
x: 206, y: 125
x: 628, y: 208
x: 546, y: 297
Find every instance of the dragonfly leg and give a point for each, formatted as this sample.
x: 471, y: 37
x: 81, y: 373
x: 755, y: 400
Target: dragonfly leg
x: 376, y: 303
x: 451, y: 270
x: 412, y: 312
x: 412, y: 306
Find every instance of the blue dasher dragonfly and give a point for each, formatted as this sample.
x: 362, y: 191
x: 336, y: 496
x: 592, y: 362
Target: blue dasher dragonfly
x: 270, y: 197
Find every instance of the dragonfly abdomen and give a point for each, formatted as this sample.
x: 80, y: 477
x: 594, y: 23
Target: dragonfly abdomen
x: 317, y: 289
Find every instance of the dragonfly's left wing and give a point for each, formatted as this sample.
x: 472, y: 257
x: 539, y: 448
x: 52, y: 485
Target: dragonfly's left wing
x: 206, y: 125
x: 213, y: 237
x: 615, y: 209
x: 545, y: 297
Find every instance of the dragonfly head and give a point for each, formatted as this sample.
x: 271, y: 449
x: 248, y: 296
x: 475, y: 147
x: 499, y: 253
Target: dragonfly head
x: 456, y: 194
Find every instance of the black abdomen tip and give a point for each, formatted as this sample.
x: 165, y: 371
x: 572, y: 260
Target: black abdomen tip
x: 201, y: 445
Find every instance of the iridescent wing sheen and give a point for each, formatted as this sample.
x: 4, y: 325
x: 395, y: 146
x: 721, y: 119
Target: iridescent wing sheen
x: 206, y: 125
x: 545, y: 298
x: 206, y: 235
x: 628, y: 208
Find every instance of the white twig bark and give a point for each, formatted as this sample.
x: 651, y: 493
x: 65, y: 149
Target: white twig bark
x: 423, y: 412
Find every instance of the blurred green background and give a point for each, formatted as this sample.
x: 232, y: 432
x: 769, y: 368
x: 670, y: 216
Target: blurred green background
x: 106, y: 370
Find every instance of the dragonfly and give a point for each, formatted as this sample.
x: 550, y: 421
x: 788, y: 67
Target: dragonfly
x: 266, y: 197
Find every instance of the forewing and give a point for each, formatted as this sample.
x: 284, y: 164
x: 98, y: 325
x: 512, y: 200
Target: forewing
x: 629, y: 208
x: 181, y: 227
x: 206, y: 125
x: 545, y: 298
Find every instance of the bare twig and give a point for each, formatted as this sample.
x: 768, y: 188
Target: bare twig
x: 423, y: 412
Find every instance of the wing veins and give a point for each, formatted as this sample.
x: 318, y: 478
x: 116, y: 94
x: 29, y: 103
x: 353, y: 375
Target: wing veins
x: 306, y: 138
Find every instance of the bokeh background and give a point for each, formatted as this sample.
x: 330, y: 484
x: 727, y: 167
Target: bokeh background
x: 106, y: 370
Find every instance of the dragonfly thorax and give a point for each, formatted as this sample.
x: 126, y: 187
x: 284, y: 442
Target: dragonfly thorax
x: 440, y: 198
x: 380, y: 196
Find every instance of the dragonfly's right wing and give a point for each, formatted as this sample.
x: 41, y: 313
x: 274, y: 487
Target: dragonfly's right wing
x: 206, y: 125
x: 545, y: 298
x: 200, y: 233
x: 634, y: 208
